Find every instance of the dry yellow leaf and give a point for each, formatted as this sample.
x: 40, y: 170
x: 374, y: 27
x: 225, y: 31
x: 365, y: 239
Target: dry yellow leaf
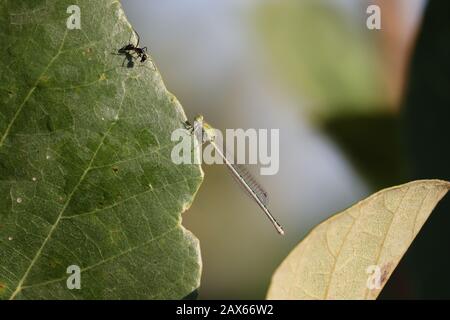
x: 352, y: 254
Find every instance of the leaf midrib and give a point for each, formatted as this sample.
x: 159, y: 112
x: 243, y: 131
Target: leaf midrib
x: 107, y: 259
x: 58, y: 219
x: 380, y: 250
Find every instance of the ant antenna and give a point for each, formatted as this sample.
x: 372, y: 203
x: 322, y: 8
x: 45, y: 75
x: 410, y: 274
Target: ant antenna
x: 138, y: 37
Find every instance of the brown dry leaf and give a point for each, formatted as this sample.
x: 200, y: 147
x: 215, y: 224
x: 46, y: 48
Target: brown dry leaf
x: 352, y: 254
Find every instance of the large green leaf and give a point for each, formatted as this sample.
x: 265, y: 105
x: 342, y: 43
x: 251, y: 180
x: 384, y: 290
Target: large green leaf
x: 85, y: 172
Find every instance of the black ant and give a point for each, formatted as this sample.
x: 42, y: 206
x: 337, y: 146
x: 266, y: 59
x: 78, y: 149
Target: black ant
x: 141, y: 52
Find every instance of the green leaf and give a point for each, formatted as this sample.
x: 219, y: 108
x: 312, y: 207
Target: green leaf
x: 341, y: 257
x: 85, y: 171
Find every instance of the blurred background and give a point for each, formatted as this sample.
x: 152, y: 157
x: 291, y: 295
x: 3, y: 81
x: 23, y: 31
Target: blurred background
x: 358, y: 110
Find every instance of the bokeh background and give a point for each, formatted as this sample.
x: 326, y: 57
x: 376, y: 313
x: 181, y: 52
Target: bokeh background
x: 358, y: 110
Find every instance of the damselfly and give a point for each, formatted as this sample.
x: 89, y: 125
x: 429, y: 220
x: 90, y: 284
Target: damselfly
x: 205, y: 133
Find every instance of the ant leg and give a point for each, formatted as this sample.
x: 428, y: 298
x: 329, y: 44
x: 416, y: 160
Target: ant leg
x: 129, y: 59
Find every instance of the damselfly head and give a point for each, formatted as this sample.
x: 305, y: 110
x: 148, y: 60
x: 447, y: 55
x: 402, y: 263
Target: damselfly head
x: 203, y: 131
x: 198, y: 118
